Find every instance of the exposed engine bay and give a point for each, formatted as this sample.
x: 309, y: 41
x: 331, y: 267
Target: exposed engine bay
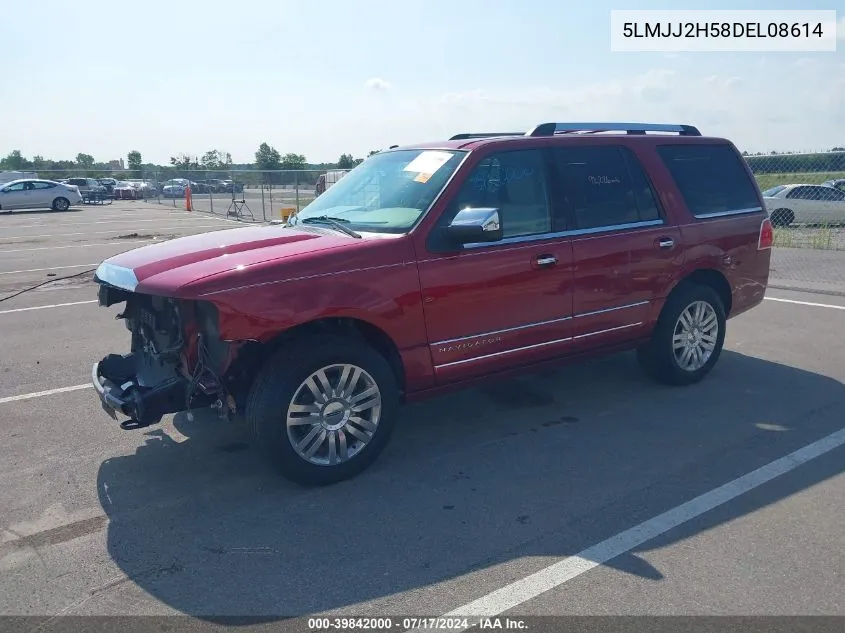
x: 177, y: 360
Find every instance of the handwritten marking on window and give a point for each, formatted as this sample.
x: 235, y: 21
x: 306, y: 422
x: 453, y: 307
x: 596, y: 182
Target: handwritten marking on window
x: 503, y: 176
x: 604, y: 180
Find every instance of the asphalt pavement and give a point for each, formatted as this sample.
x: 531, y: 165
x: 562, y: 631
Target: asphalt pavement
x: 587, y: 490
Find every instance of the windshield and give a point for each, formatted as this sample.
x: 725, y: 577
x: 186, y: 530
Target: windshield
x: 771, y: 193
x: 388, y: 192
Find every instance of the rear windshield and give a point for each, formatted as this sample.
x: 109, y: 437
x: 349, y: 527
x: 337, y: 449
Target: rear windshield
x: 712, y: 179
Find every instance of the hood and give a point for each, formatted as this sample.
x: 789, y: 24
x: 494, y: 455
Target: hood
x: 172, y: 264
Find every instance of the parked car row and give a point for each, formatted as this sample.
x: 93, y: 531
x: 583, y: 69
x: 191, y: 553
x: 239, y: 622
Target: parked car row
x: 175, y: 187
x: 806, y: 204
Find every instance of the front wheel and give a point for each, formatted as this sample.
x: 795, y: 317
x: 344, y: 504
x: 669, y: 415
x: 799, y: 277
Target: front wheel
x: 782, y: 217
x: 61, y: 204
x: 688, y: 338
x: 322, y: 409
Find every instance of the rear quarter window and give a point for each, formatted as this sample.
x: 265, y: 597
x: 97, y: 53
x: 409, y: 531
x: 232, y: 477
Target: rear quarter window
x: 711, y: 178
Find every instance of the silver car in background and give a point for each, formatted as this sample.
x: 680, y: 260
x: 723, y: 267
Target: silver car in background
x: 38, y: 194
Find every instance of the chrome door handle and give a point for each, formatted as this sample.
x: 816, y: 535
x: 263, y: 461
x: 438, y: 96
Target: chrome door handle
x: 546, y: 260
x: 666, y: 243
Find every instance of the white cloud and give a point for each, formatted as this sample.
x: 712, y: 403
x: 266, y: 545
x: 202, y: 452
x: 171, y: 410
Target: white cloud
x: 377, y: 83
x: 741, y: 106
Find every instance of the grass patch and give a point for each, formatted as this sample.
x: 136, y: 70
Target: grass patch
x: 767, y: 181
x: 818, y: 238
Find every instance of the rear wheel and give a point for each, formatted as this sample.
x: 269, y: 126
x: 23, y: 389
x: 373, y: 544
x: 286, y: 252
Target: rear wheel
x: 782, y: 217
x: 61, y: 204
x: 688, y: 338
x: 322, y: 409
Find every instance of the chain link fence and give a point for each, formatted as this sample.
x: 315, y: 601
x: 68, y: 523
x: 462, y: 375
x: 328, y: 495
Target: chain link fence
x: 805, y: 197
x: 248, y: 195
x: 804, y: 194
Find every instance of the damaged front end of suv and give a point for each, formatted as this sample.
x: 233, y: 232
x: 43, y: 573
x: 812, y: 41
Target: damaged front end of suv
x: 177, y: 360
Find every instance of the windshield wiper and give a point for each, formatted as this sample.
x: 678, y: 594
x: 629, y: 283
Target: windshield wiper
x: 333, y: 222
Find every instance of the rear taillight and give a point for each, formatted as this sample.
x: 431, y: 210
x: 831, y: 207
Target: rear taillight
x: 767, y: 235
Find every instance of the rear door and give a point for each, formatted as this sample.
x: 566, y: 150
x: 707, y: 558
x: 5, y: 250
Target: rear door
x: 42, y: 194
x: 624, y: 249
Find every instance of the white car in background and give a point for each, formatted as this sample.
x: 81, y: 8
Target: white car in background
x: 38, y: 194
x: 805, y: 204
x: 124, y: 190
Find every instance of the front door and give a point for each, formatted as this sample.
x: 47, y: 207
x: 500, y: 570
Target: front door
x: 493, y: 306
x: 13, y: 196
x: 623, y: 249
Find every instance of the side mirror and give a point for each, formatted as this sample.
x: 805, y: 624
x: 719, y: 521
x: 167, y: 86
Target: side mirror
x: 475, y: 225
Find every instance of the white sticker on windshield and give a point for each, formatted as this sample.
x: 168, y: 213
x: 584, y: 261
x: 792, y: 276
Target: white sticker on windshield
x: 428, y: 163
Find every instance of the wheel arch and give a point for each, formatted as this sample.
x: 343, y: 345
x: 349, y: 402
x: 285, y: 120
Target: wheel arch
x: 254, y: 354
x: 710, y: 277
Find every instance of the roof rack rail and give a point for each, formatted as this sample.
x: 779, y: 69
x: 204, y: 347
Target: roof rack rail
x: 468, y: 135
x: 550, y: 129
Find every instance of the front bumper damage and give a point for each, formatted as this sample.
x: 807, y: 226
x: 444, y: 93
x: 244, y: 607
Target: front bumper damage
x: 177, y: 361
x: 119, y: 382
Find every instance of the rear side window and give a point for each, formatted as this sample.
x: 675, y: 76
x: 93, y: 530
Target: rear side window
x: 712, y: 179
x: 604, y: 186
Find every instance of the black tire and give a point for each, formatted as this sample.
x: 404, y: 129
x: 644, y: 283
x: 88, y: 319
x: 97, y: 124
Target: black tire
x: 782, y: 217
x: 658, y: 357
x: 61, y: 204
x: 279, y: 381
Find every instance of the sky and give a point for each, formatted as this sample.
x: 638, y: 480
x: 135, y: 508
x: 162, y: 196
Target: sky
x: 331, y: 77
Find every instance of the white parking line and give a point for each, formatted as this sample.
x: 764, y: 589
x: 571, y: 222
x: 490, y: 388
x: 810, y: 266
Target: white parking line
x: 158, y: 228
x: 41, y: 394
x: 530, y: 587
x: 55, y: 248
x: 38, y: 270
x: 807, y: 303
x: 54, y: 305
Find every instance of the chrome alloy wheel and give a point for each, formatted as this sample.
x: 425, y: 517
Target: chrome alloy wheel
x: 695, y: 336
x: 333, y: 414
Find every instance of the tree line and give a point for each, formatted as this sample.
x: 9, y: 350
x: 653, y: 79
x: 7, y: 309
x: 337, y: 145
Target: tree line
x: 273, y: 167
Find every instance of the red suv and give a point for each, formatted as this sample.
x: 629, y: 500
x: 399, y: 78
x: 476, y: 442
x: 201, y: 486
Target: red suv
x: 433, y: 266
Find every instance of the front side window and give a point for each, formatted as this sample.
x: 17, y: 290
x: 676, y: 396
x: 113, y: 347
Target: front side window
x: 16, y: 187
x: 388, y: 192
x: 803, y: 193
x: 515, y: 183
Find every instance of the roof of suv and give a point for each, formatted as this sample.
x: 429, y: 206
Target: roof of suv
x: 631, y: 132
